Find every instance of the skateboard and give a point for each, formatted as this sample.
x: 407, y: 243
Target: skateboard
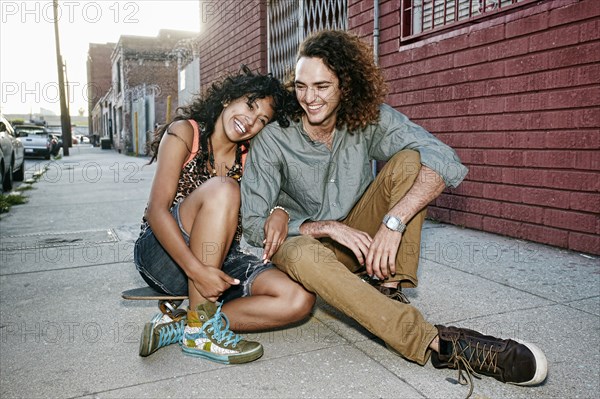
x: 168, y: 304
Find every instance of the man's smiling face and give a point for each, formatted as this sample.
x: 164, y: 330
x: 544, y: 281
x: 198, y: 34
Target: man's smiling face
x: 318, y: 92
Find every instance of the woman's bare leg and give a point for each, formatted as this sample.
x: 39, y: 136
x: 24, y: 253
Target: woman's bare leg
x: 210, y: 216
x: 276, y: 301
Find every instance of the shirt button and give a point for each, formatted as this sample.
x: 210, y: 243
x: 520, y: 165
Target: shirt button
x: 332, y: 181
x: 334, y: 205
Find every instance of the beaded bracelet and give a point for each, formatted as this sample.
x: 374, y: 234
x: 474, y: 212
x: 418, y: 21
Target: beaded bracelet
x: 283, y: 209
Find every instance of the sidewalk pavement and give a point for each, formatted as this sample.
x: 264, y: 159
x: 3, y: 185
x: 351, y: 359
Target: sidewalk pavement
x: 66, y: 256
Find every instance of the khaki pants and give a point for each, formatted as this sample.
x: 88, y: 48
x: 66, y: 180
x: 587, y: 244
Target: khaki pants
x: 326, y: 268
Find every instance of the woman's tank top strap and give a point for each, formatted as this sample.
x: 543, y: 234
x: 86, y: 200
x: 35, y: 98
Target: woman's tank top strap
x: 196, y: 142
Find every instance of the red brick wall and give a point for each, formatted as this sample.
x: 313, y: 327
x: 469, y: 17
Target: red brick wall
x: 99, y: 77
x: 518, y: 97
x: 98, y: 72
x: 233, y: 32
x: 159, y: 77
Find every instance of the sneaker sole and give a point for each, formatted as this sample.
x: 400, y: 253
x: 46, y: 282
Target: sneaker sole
x: 146, y: 340
x: 541, y: 365
x: 224, y: 359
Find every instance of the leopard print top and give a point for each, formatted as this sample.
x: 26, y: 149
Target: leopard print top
x: 194, y: 173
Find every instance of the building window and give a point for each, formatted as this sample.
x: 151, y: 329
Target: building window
x: 324, y: 14
x: 423, y: 16
x: 119, y: 82
x: 189, y: 82
x: 182, y: 80
x: 283, y: 35
x: 290, y: 21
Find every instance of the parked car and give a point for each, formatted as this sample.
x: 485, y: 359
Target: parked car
x: 12, y: 156
x: 36, y: 140
x: 81, y: 139
x: 80, y: 133
x: 56, y: 132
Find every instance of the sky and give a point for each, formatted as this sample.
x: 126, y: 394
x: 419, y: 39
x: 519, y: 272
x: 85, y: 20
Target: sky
x: 28, y: 69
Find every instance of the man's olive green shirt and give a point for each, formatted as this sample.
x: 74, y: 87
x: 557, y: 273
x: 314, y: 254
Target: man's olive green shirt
x: 313, y: 183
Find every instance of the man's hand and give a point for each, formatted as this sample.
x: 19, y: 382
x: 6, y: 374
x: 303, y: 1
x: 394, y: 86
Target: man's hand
x: 357, y: 241
x: 212, y: 282
x: 381, y: 259
x: 276, y: 231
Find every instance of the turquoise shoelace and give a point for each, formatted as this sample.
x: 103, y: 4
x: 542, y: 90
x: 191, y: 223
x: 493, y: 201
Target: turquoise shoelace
x: 171, y: 333
x: 220, y: 329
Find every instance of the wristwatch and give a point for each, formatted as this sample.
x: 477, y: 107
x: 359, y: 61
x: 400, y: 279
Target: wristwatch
x: 393, y: 223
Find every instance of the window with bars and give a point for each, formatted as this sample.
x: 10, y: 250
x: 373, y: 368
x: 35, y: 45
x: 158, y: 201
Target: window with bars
x: 421, y: 16
x: 290, y: 21
x: 283, y: 35
x: 324, y: 14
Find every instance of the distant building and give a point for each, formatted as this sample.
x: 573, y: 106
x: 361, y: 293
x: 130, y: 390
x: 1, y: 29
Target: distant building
x: 188, y: 65
x: 144, y: 88
x: 99, y: 82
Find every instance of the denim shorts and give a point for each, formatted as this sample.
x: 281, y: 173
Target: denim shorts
x: 161, y: 272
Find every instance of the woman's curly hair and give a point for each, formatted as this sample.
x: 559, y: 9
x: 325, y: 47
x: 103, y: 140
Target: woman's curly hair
x: 362, y: 86
x: 205, y: 109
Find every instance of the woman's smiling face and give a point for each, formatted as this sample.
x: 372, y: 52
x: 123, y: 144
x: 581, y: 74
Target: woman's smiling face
x: 241, y: 121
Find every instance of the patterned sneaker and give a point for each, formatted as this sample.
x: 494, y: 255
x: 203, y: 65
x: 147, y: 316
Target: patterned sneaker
x: 208, y: 335
x: 509, y: 361
x: 391, y: 292
x: 160, y: 331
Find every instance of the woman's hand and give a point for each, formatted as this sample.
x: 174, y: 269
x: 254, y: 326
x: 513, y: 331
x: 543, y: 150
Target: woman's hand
x: 211, y: 282
x: 276, y: 231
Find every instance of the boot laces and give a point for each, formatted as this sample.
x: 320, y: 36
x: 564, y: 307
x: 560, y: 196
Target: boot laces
x: 218, y: 325
x: 466, y: 358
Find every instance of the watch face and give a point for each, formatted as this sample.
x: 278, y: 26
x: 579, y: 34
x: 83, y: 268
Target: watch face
x: 393, y: 223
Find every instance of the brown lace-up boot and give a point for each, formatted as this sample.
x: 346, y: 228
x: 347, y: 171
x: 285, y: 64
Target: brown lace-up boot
x: 506, y: 360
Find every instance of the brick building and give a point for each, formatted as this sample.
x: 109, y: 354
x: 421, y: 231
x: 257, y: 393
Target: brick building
x: 144, y: 73
x: 99, y: 79
x: 515, y: 91
x: 512, y: 85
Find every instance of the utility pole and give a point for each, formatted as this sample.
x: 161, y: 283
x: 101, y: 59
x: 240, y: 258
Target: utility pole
x: 65, y: 118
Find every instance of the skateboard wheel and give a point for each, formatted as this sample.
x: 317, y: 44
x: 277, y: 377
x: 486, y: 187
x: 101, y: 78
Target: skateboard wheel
x: 170, y: 308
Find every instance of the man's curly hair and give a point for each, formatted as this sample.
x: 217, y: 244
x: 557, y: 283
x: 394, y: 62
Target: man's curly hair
x: 362, y: 86
x: 205, y: 109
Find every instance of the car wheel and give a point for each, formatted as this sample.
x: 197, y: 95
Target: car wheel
x: 47, y: 156
x: 19, y: 175
x: 8, y: 180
